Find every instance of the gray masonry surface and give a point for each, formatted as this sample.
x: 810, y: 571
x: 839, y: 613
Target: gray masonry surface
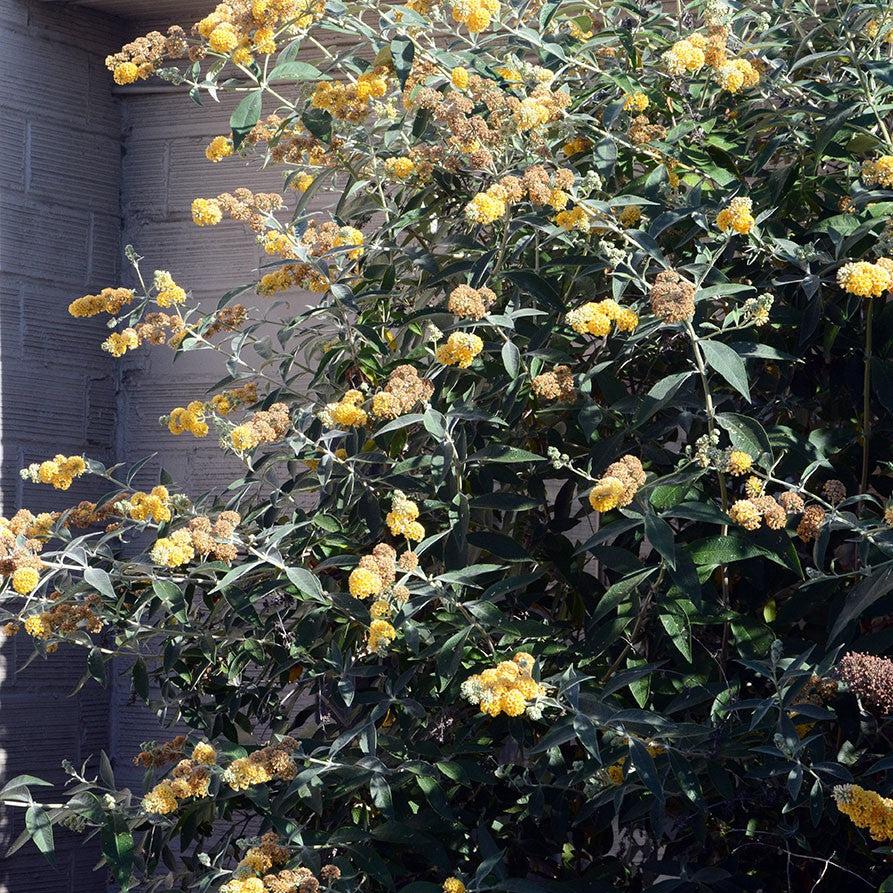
x: 84, y: 170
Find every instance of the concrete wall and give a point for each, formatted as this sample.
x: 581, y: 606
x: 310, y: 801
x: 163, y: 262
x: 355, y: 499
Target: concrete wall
x: 60, y: 225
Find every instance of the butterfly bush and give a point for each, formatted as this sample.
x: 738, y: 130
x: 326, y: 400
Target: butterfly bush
x: 560, y: 554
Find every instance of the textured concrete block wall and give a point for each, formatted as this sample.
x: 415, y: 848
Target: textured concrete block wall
x: 59, y: 238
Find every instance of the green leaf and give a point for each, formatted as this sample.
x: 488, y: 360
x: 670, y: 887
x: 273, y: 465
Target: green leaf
x: 604, y: 156
x: 305, y: 581
x: 645, y: 767
x: 660, y: 395
x: 862, y: 597
x: 40, y: 828
x: 499, y: 453
x: 297, y: 71
x: 511, y: 359
x: 466, y: 574
x: 402, y: 54
x: 745, y: 433
x: 402, y: 422
x: 140, y: 679
x: 728, y: 364
x: 587, y: 734
x: 679, y: 630
x: 16, y: 787
x: 245, y: 115
x: 117, y: 847
x: 661, y: 537
x: 100, y: 581
x: 318, y: 122
x: 507, y: 502
x: 711, y: 552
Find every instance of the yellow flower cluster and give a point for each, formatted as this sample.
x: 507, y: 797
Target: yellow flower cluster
x: 595, y: 318
x: 557, y: 384
x: 188, y: 779
x: 271, y: 762
x: 486, y: 207
x: 684, y: 57
x: 375, y: 576
x: 167, y: 292
x: 319, y: 241
x: 536, y: 184
x: 154, y: 755
x: 749, y: 513
x: 866, y: 809
x: 402, y: 518
x: 381, y: 634
x: 575, y: 218
x: 60, y: 471
x: 737, y: 74
x: 738, y: 463
x: 350, y: 101
x: 866, y: 279
x: 576, y: 146
x: 215, y: 538
x: 137, y: 60
x: 226, y: 401
x: 109, y: 300
x: 189, y: 418
x: 635, y: 102
x: 375, y: 573
x: 401, y: 168
x: 459, y: 78
x: 25, y: 580
x: 244, y: 885
x: 346, y: 413
x: 301, y: 181
x: 672, y: 297
x: 453, y: 885
x: 173, y: 550
x: 206, y: 212
x: 878, y: 172
x: 201, y: 536
x: 204, y: 753
x: 118, y: 343
x: 404, y: 391
x: 219, y: 148
x: 21, y: 539
x: 811, y: 523
x: 476, y: 15
x: 873, y: 29
x: 266, y: 426
x: 737, y: 217
x: 506, y: 688
x: 266, y: 855
x: 241, y: 28
x: 459, y: 350
x: 619, y: 484
x: 140, y: 506
x: 63, y: 619
x: 689, y: 55
x: 629, y: 216
x: 471, y: 303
